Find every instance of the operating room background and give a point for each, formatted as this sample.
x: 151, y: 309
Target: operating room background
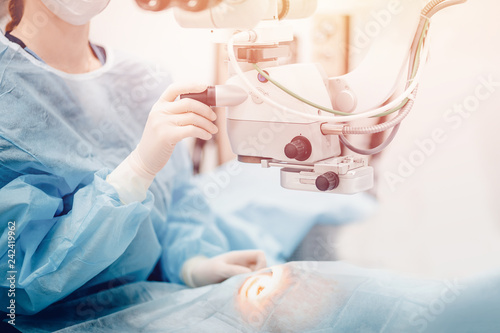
x: 441, y: 219
x: 439, y: 212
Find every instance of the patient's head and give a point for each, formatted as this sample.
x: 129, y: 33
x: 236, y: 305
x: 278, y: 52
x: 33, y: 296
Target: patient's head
x: 288, y: 298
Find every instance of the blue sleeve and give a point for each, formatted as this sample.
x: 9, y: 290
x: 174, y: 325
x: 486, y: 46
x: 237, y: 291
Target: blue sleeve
x: 62, y: 241
x: 191, y: 224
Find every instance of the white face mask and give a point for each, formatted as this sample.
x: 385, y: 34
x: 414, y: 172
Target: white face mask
x: 76, y: 12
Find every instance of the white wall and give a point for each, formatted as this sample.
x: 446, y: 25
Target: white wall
x: 155, y: 37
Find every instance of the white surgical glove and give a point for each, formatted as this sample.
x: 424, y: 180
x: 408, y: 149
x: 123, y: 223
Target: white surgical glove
x: 169, y: 122
x: 201, y: 271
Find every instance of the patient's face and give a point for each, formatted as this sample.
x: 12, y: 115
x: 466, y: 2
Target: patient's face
x: 287, y: 298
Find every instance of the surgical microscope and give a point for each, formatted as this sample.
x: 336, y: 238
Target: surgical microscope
x: 305, y: 115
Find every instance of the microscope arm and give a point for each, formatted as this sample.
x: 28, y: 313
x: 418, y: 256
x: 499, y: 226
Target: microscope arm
x: 375, y: 80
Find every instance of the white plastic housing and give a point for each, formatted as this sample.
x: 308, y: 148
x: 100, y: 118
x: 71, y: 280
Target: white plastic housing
x: 307, y: 80
x: 258, y: 130
x: 227, y: 15
x: 298, y: 9
x: 268, y: 140
x: 352, y: 182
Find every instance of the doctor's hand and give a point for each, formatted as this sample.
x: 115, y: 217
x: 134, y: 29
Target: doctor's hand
x: 202, y: 271
x: 171, y: 121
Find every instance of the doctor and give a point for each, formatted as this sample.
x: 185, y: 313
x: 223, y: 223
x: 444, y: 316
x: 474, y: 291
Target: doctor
x: 92, y: 172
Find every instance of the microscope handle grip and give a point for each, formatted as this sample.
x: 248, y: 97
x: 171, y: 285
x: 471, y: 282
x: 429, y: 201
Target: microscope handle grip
x: 223, y: 95
x: 206, y: 97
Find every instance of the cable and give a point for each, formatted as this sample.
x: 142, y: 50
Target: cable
x: 394, y: 123
x: 317, y: 106
x: 434, y: 6
x: 372, y: 151
x: 427, y: 13
x: 421, y: 33
x: 442, y: 6
x: 330, y: 129
x: 247, y: 36
x: 422, y: 30
x: 296, y: 96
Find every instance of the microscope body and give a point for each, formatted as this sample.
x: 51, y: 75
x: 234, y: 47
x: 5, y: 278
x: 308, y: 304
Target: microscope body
x: 308, y: 159
x: 262, y: 133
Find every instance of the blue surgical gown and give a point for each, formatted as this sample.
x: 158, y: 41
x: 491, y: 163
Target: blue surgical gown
x: 60, y: 136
